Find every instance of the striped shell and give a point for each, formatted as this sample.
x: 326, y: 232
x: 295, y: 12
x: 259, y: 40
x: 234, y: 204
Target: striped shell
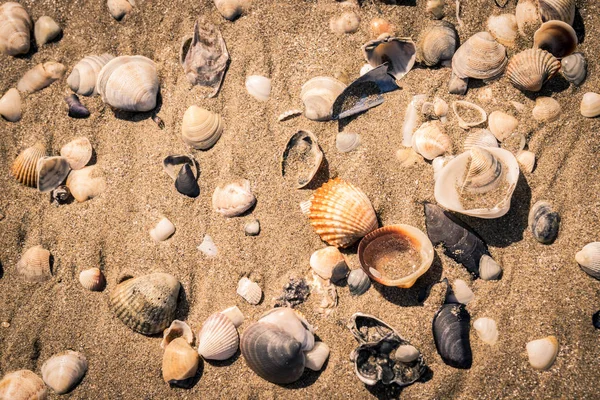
x: 430, y: 140
x: 574, y: 68
x: 201, y: 128
x: 480, y: 138
x: 590, y: 105
x: 180, y: 361
x: 24, y: 168
x: 438, y: 43
x: 530, y: 69
x: 340, y: 213
x: 556, y: 37
x: 233, y: 199
x: 218, y: 339
x: 588, y: 259
x: 92, y: 279
x: 51, y: 172
x: 34, y: 265
x: 249, y: 290
x: 62, y: 372
x: 40, y: 76
x: 318, y: 95
x: 358, y: 282
x: 15, y: 28
x: 546, y: 109
x: 78, y: 152
x: 503, y: 28
x: 82, y: 79
x: 480, y: 57
x: 562, y: 10
x: 84, y: 184
x: 22, y: 385
x: 10, y: 105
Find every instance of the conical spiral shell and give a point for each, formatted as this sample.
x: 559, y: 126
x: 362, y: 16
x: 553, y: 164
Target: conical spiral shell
x: 129, y: 83
x: 46, y: 29
x: 231, y: 9
x: 546, y: 109
x: 15, y: 28
x: 40, y: 76
x: 78, y: 152
x: 588, y: 259
x: 82, y: 79
x: 590, y: 105
x: 480, y: 138
x: 249, y: 290
x: 233, y: 199
x: 438, y: 43
x: 574, y: 68
x: 146, y: 304
x: 22, y: 385
x: 10, y: 105
x: 318, y: 95
x: 430, y: 140
x: 34, y: 264
x: 341, y: 213
x: 483, y: 173
x: 218, y: 339
x: 480, y: 57
x: 24, y: 168
x: 62, y: 372
x: 180, y: 361
x: 201, y: 128
x: 562, y: 10
x: 530, y: 69
x: 503, y: 28
x: 84, y: 184
x: 92, y: 279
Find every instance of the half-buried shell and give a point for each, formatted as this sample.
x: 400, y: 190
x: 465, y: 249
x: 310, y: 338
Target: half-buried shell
x: 233, y: 199
x: 180, y: 362
x: 301, y: 159
x: 78, y: 152
x: 22, y: 385
x: 34, y: 264
x: 51, y: 172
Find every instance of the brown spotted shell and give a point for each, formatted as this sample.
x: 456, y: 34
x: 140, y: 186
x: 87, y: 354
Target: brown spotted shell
x: 24, y: 168
x: 480, y: 57
x: 530, y: 69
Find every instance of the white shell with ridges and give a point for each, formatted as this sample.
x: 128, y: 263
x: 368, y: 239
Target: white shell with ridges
x: 431, y: 141
x: 82, y: 79
x: 502, y: 125
x: 590, y: 105
x: 489, y: 269
x: 233, y: 199
x: 92, y: 279
x: 62, y: 372
x: 78, y: 152
x: 546, y: 109
x: 22, y: 385
x: 34, y: 264
x: 588, y: 259
x: 486, y: 330
x: 249, y: 290
x: 218, y: 339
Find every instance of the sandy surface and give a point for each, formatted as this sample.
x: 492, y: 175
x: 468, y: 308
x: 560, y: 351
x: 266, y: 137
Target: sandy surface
x: 543, y: 291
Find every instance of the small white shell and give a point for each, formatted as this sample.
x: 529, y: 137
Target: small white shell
x: 84, y: 185
x: 208, y: 247
x: 542, y: 352
x: 489, y: 269
x: 233, y: 199
x: 590, y: 105
x: 249, y: 290
x: 459, y: 104
x: 235, y: 315
x: 486, y: 330
x: 480, y: 138
x: 62, y: 372
x: 163, y: 230
x: 78, y: 152
x: 406, y: 353
x: 10, y: 105
x: 34, y: 264
x: 218, y: 339
x: 588, y: 259
x: 461, y: 292
x: 82, y: 79
x: 435, y: 8
x: 258, y: 87
x: 177, y: 329
x: 46, y: 30
x: 502, y: 125
x: 92, y: 279
x: 431, y: 141
x: 329, y: 263
x: 318, y: 96
x: 316, y: 357
x: 252, y: 228
x: 345, y: 142
x: 526, y: 160
x: 503, y: 28
x: 201, y: 128
x: 348, y: 22
x: 119, y: 9
x: 546, y: 109
x: 440, y: 108
x: 528, y: 17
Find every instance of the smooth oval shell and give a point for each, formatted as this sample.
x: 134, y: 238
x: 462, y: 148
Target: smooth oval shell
x: 588, y: 259
x: 451, y: 335
x: 15, y: 28
x: 400, y: 53
x: 358, y: 282
x: 146, y: 304
x: 563, y: 10
x: 51, y: 172
x: 92, y: 279
x: 301, y: 159
x: 489, y: 269
x: 528, y: 17
x: 40, y: 76
x: 119, y: 9
x: 24, y: 168
x: 480, y: 138
x: 84, y: 184
x: 317, y: 356
x: 258, y: 87
x: 180, y: 361
x: 318, y: 95
x: 233, y: 199
x: 556, y: 37
x: 460, y: 293
x: 78, y: 152
x: 345, y: 142
x: 22, y: 385
x: 431, y: 141
x: 232, y: 9
x: 542, y: 352
x: 201, y: 128
x: 438, y: 43
x: 502, y: 125
x: 46, y: 29
x: 34, y: 264
x: 463, y: 121
x: 84, y: 75
x: 348, y: 22
x: 177, y: 329
x: 218, y: 339
x: 546, y: 109
x: 526, y: 160
x: 590, y: 105
x: 329, y: 263
x: 162, y: 230
x: 486, y: 330
x: 249, y: 290
x: 62, y: 372
x: 574, y: 68
x: 480, y: 57
x: 10, y: 105
x: 530, y: 69
x: 503, y: 28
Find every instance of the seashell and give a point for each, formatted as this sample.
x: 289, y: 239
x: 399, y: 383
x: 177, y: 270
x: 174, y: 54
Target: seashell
x: 399, y: 53
x: 163, y: 230
x: 233, y: 199
x: 63, y: 371
x: 22, y: 384
x: 483, y: 172
x: 379, y: 26
x: 208, y: 247
x: 34, y: 265
x: 301, y: 159
x: 146, y: 304
x: 204, y: 57
x: 61, y: 195
x: 563, y: 10
x: 556, y: 37
x: 258, y: 87
x: 430, y: 141
x: 171, y: 165
x: 218, y: 339
x: 464, y: 110
x: 345, y: 142
x: 542, y: 352
x: 480, y: 138
x: 574, y: 68
x: 235, y: 315
x: 40, y: 76
x: 438, y: 43
x: 457, y: 85
x: 180, y: 361
x: 252, y: 228
x: 78, y: 152
x: 440, y: 109
x: 340, y: 213
x: 292, y: 323
x: 407, y: 157
x: 289, y: 115
x: 528, y: 17
x: 129, y: 83
x: 46, y: 30
x: 10, y: 105
x: 435, y: 8
x: 546, y: 109
x: 543, y: 222
x: 590, y: 105
x: 84, y: 75
x: 348, y: 22
x: 15, y: 27
x: 503, y: 28
x: 480, y: 57
x: 329, y: 263
x: 526, y: 160
x: 249, y: 290
x: 588, y: 259
x: 395, y: 255
x: 186, y: 182
x: 76, y: 109
x: 530, y: 69
x: 51, y: 172
x: 84, y: 184
x: 596, y: 320
x: 201, y: 128
x: 486, y: 330
x: 502, y: 125
x: 327, y: 293
x: 460, y: 293
x: 411, y: 117
x: 451, y: 335
x: 177, y: 329
x: 318, y: 96
x: 24, y: 168
x: 315, y: 359
x: 92, y: 279
x: 232, y: 9
x: 365, y: 68
x: 358, y: 282
x: 489, y: 269
x: 119, y: 9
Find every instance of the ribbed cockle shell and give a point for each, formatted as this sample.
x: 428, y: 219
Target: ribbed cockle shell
x: 24, y: 168
x: 218, y: 339
x: 530, y: 69
x: 22, y: 385
x: 34, y: 264
x: 62, y: 372
x: 431, y: 141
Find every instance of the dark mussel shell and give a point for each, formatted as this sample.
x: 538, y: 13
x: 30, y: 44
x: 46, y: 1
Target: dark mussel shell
x: 451, y: 335
x: 596, y: 320
x: 76, y: 109
x: 186, y: 183
x: 543, y: 222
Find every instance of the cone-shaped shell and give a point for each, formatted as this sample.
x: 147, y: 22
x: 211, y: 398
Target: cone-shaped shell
x: 542, y: 352
x: 358, y: 282
x: 546, y: 109
x: 563, y: 10
x: 24, y: 168
x: 400, y: 53
x: 590, y: 105
x: 430, y: 140
x: 62, y: 372
x: 329, y: 263
x: 146, y: 304
x: 258, y: 87
x: 177, y: 329
x: 51, y: 172
x: 486, y: 330
x: 502, y: 125
x: 201, y: 128
x: 233, y: 199
x: 180, y: 361
x: 574, y: 68
x: 22, y: 385
x: 341, y: 213
x: 92, y: 279
x: 588, y: 259
x: 84, y: 184
x: 218, y: 339
x: 480, y: 57
x: 231, y: 9
x: 348, y: 22
x: 301, y: 158
x: 530, y: 69
x: 15, y: 28
x: 249, y: 290
x: 46, y: 29
x: 40, y: 76
x: 528, y: 17
x: 438, y: 43
x: 480, y: 138
x: 129, y: 83
x: 10, y: 105
x: 82, y: 79
x: 318, y: 95
x: 503, y: 28
x: 557, y: 38
x: 34, y: 264
x: 78, y: 152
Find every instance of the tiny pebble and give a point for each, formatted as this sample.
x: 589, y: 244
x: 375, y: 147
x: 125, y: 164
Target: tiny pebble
x: 5, y: 324
x: 252, y: 228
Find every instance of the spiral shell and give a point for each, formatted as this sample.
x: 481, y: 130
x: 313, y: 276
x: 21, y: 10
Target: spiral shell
x: 218, y: 339
x: 574, y: 68
x: 557, y: 38
x: 486, y: 330
x: 63, y: 371
x: 546, y: 109
x: 84, y: 184
x: 249, y: 290
x: 588, y: 259
x: 259, y: 87
x: 24, y: 168
x: 84, y: 75
x: 233, y: 199
x: 10, y: 105
x: 348, y: 22
x: 34, y: 265
x: 40, y: 76
x: 15, y: 27
x: 399, y: 53
x: 78, y: 152
x: 480, y: 138
x: 22, y: 385
x: 318, y: 95
x: 502, y: 125
x: 177, y: 329
x: 358, y: 282
x: 530, y: 69
x: 92, y: 279
x: 180, y: 361
x: 542, y: 352
x: 51, y: 172
x: 480, y: 57
x: 503, y: 28
x: 46, y: 29
x: 201, y: 128
x: 232, y: 9
x: 438, y: 43
x: 590, y: 105
x: 329, y: 263
x: 430, y: 140
x: 562, y: 10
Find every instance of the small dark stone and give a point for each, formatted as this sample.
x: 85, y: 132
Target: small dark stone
x: 76, y: 109
x: 596, y: 319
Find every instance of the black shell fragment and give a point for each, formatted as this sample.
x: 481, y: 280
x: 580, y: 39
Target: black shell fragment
x: 76, y: 109
x: 451, y: 335
x: 186, y: 183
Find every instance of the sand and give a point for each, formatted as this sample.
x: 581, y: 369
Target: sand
x: 543, y: 291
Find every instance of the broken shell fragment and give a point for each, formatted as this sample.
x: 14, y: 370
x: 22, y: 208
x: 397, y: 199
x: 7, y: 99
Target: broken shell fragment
x: 542, y: 352
x: 399, y: 53
x: 63, y: 371
x: 543, y: 222
x: 315, y: 358
x: 177, y: 329
x: 489, y: 269
x: 590, y: 105
x: 480, y: 57
x: 358, y: 282
x: 24, y: 168
x: 431, y: 141
x: 530, y: 69
x: 46, y: 30
x: 503, y: 28
x: 348, y: 22
x: 249, y: 290
x: 438, y: 43
x: 574, y: 68
x: 252, y: 228
x: 464, y: 111
x: 34, y: 265
x: 460, y: 293
x: 78, y: 152
x: 235, y: 315
x: 502, y: 125
x: 451, y: 335
x: 22, y: 384
x: 76, y: 109
x: 556, y: 37
x: 329, y: 263
x: 546, y: 109
x: 232, y: 9
x: 208, y: 247
x: 180, y: 362
x: 92, y: 279
x: 51, y: 172
x: 40, y: 76
x: 163, y: 230
x: 119, y: 9
x: 82, y: 79
x: 588, y: 259
x: 201, y: 128
x: 84, y: 183
x: 258, y: 87
x: 480, y: 138
x: 10, y: 105
x: 15, y: 28
x: 233, y: 199
x: 411, y: 117
x: 172, y: 165
x: 218, y: 339
x: 486, y: 330
x: 318, y: 95
x: 301, y: 159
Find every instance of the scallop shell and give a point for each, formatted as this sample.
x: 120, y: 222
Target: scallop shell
x: 435, y: 8
x: 563, y: 10
x: 249, y: 290
x: 84, y: 75
x: 400, y: 53
x: 396, y: 255
x: 346, y: 142
x: 51, y: 172
x: 146, y: 304
x: 232, y: 9
x: 430, y: 141
x: 486, y: 330
x: 574, y: 68
x: 233, y: 199
x: 461, y: 293
x: 259, y: 87
x: 348, y: 22
x: 480, y: 138
x: 84, y: 184
x: 34, y: 265
x: 528, y: 17
x: 543, y: 222
x: 40, y: 76
x: 22, y: 384
x: 480, y: 57
x: 526, y: 160
x: 63, y: 371
x: 15, y: 27
x: 315, y: 359
x: 10, y: 105
x: 451, y: 335
x: 301, y: 159
x: 502, y: 125
x: 329, y: 263
x: 542, y: 352
x: 438, y: 43
x: 78, y: 152
x: 201, y: 128
x: 180, y: 361
x: 340, y: 213
x: 530, y: 69
x: 163, y: 230
x: 46, y: 30
x: 358, y: 282
x: 177, y: 329
x: 590, y: 105
x: 588, y: 259
x: 503, y: 28
x: 119, y: 9
x: 557, y: 38
x: 129, y: 83
x: 546, y: 109
x: 92, y: 279
x: 379, y: 26
x: 462, y: 122
x: 489, y: 269
x: 218, y: 339
x: 24, y: 168
x: 318, y: 96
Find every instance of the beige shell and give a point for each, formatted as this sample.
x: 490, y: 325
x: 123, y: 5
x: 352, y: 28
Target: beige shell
x: 10, y: 105
x: 249, y: 290
x: 22, y: 385
x: 340, y: 213
x: 486, y: 330
x: 318, y: 95
x: 483, y: 172
x: 514, y: 143
x: 526, y: 160
x: 431, y: 141
x: 435, y: 8
x: 63, y: 371
x: 233, y: 199
x: 502, y: 125
x: 528, y: 17
x: 316, y: 357
x: 46, y: 30
x: 235, y: 315
x: 119, y: 9
x: 84, y: 184
x: 92, y: 279
x: 177, y: 329
x: 461, y: 293
x: 379, y: 26
x: 231, y: 9
x: 346, y: 142
x: 301, y: 159
x: 146, y: 304
x: 557, y: 38
x: 24, y: 168
x: 162, y: 230
x: 218, y: 339
x: 503, y: 28
x: 480, y: 138
x: 201, y: 128
x: 542, y: 352
x: 258, y: 87
x: 84, y: 75
x: 78, y: 152
x: 406, y: 353
x: 329, y: 263
x: 41, y: 76
x: 546, y: 109
x: 15, y: 28
x: 530, y: 69
x: 51, y: 172
x: 180, y: 361
x: 562, y: 10
x: 480, y: 57
x: 34, y: 264
x: 348, y: 22
x: 399, y: 53
x: 129, y: 83
x: 438, y: 43
x: 588, y: 259
x: 590, y: 105
x: 463, y: 121
x: 489, y: 269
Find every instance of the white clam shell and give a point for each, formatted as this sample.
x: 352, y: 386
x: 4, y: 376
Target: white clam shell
x: 345, y: 142
x: 503, y: 28
x: 84, y: 183
x: 463, y: 121
x: 84, y: 75
x: 258, y: 87
x: 480, y: 138
x: 92, y: 279
x: 51, y: 172
x: 590, y: 105
x: 62, y: 372
x: 201, y: 128
x: 289, y: 321
x: 316, y: 357
x: 461, y: 292
x: 546, y: 109
x: 556, y: 37
x: 15, y: 27
x: 233, y: 199
x: 34, y: 265
x: 438, y: 43
x: 318, y: 95
x: 526, y: 160
x: 22, y: 385
x: 10, y: 105
x: 542, y: 352
x: 40, y: 76
x: 78, y: 152
x: 163, y: 230
x: 329, y: 263
x: 249, y: 290
x: 489, y: 269
x: 208, y: 247
x: 431, y: 141
x: 348, y: 22
x: 235, y: 315
x: 588, y: 259
x: 486, y: 330
x: 218, y: 339
x: 175, y: 330
x: 502, y: 125
x: 46, y: 29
